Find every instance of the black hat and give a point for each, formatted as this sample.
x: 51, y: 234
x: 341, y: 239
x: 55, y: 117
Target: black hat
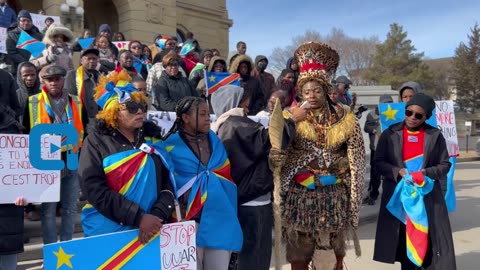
x: 24, y: 14
x: 54, y: 71
x: 424, y: 101
x: 88, y: 51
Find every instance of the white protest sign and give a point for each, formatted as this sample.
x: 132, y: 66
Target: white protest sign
x: 121, y: 45
x: 3, y: 40
x: 39, y: 20
x: 165, y: 119
x: 19, y: 178
x: 178, y: 246
x: 446, y: 123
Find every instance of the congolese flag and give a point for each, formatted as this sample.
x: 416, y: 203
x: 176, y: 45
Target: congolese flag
x: 110, y: 251
x: 28, y: 43
x: 392, y: 113
x: 85, y: 42
x: 215, y: 80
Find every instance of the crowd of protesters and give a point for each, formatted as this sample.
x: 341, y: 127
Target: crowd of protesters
x: 226, y: 164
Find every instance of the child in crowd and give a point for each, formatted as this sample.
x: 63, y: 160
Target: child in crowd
x: 106, y: 57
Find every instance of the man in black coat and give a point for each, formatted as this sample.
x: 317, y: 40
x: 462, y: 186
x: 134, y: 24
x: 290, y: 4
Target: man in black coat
x: 24, y: 23
x: 85, y: 89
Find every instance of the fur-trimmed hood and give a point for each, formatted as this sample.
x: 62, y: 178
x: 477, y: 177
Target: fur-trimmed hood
x: 215, y: 59
x: 55, y: 29
x: 240, y: 59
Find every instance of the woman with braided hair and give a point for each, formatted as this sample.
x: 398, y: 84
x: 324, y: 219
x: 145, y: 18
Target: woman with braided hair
x: 203, y: 184
x: 322, y: 180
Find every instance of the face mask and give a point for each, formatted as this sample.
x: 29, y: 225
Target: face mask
x: 262, y: 66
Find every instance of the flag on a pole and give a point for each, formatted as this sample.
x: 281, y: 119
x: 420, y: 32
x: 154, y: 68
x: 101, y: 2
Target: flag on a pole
x: 30, y: 44
x: 215, y: 80
x: 85, y: 42
x: 110, y: 251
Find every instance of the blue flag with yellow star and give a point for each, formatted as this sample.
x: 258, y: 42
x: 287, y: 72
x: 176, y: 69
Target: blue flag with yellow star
x: 392, y: 113
x: 215, y: 80
x: 110, y: 251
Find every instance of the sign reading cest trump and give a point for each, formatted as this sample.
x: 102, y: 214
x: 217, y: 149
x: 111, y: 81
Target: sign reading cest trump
x: 17, y: 175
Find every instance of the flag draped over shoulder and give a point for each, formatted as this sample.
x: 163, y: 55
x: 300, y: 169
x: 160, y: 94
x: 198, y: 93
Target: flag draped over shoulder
x: 392, y: 113
x: 110, y: 251
x: 132, y: 174
x: 215, y: 80
x: 210, y: 186
x: 30, y: 44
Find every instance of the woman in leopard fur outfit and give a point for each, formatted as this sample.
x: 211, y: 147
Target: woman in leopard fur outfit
x: 322, y: 180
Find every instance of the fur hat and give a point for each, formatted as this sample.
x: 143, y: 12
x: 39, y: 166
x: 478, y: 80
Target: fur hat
x: 56, y: 29
x: 316, y: 61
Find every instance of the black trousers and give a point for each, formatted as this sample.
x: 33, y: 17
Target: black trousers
x: 257, y: 224
x: 375, y: 178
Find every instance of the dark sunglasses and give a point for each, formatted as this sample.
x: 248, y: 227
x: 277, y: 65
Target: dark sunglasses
x: 132, y: 106
x: 417, y: 116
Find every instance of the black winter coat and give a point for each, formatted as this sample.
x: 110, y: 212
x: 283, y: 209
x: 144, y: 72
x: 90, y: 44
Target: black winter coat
x: 388, y: 161
x: 19, y: 55
x: 103, y: 142
x: 254, y: 89
x: 170, y: 89
x: 248, y: 146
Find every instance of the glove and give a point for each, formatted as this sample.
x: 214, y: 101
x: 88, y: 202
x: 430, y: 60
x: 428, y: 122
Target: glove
x: 51, y: 58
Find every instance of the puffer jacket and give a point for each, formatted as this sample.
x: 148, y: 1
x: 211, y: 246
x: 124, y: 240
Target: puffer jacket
x: 170, y: 89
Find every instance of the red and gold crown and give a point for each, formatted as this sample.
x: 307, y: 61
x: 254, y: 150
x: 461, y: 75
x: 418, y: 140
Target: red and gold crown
x: 316, y: 61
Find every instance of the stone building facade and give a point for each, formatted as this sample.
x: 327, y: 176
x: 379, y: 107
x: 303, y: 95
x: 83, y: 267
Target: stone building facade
x: 142, y: 19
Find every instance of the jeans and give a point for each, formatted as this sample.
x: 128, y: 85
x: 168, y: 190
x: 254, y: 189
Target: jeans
x: 69, y: 191
x: 257, y: 224
x: 8, y: 262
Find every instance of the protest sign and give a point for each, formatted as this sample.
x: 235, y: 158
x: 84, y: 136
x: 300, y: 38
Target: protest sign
x: 178, y: 246
x: 446, y: 123
x: 3, y: 40
x: 17, y: 175
x: 39, y: 20
x: 174, y: 249
x: 165, y: 119
x: 121, y: 45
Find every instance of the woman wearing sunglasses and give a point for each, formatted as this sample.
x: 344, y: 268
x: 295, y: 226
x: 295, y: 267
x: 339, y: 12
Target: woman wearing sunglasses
x: 121, y: 171
x: 413, y: 225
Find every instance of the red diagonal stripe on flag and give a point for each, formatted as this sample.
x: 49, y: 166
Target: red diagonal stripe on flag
x: 26, y: 43
x: 228, y: 80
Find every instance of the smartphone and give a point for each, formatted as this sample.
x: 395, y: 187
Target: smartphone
x: 305, y: 105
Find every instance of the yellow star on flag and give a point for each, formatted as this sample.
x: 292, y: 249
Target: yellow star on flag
x: 63, y: 258
x: 390, y: 114
x: 212, y: 78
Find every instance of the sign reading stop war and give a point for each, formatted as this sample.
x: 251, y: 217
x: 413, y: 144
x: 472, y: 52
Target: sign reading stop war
x: 178, y: 246
x: 17, y: 175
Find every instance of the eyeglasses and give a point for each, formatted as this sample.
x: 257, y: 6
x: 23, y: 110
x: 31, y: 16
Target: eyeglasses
x: 132, y: 106
x: 417, y: 116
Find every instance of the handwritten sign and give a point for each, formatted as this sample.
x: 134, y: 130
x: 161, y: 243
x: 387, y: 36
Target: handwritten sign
x: 121, y: 45
x: 39, y: 20
x: 17, y: 175
x: 178, y: 246
x: 3, y: 40
x: 446, y: 123
x: 165, y: 120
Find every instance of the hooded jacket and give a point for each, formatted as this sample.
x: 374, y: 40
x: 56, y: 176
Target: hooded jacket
x: 247, y: 144
x: 64, y: 53
x: 412, y: 85
x: 103, y: 142
x: 251, y: 85
x: 295, y: 72
x: 23, y: 92
x: 19, y: 55
x: 266, y: 78
x: 201, y: 84
x: 197, y: 74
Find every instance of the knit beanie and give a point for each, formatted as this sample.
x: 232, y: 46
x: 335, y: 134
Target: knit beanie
x: 24, y: 14
x: 104, y: 28
x: 424, y: 101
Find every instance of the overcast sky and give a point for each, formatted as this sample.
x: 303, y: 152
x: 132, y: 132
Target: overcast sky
x: 435, y: 27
